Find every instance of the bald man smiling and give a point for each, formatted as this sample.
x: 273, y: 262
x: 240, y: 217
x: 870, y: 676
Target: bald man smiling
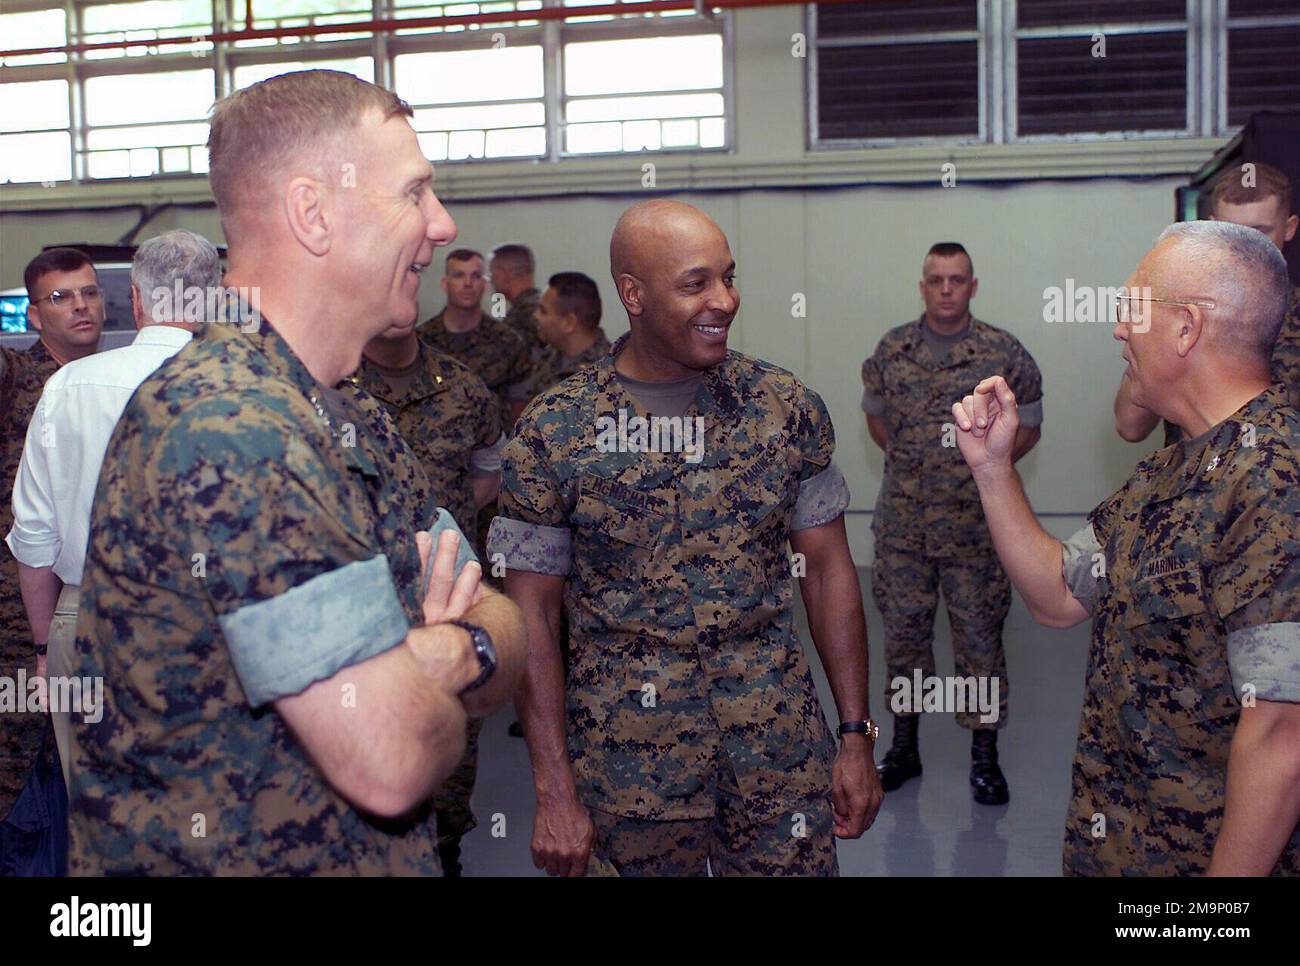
x: 656, y: 496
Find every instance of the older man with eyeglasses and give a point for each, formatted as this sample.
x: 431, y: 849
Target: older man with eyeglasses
x: 1188, y: 758
x: 66, y: 309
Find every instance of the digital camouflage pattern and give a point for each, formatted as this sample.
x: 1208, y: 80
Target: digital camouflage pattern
x: 22, y: 377
x: 1286, y: 353
x: 928, y: 502
x: 494, y: 351
x: 522, y: 316
x: 928, y: 525
x: 444, y: 414
x: 1196, y: 545
x: 682, y: 636
x: 221, y: 453
x: 799, y: 843
x: 977, y: 593
x: 552, y: 368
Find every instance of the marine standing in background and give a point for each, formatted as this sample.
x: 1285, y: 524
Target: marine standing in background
x: 929, y: 531
x: 453, y: 423
x: 568, y: 324
x: 67, y: 308
x: 512, y: 267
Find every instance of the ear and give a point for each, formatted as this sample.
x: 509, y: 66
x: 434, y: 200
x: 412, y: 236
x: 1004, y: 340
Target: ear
x: 974, y: 286
x: 137, y: 306
x: 306, y: 212
x: 569, y: 323
x: 443, y: 282
x: 33, y: 318
x: 631, y: 294
x: 1190, y: 328
x: 1291, y: 224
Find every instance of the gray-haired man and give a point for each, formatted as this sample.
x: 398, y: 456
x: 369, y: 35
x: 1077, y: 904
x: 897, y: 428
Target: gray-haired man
x: 171, y: 277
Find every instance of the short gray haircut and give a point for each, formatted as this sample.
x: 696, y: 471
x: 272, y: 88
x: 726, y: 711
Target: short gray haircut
x: 1244, y: 274
x: 175, y: 255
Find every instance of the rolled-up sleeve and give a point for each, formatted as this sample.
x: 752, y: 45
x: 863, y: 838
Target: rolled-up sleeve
x: 1078, y: 565
x: 821, y: 499
x: 34, y: 539
x: 531, y: 532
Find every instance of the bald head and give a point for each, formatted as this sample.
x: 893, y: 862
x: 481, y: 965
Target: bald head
x: 1236, y: 267
x: 649, y: 230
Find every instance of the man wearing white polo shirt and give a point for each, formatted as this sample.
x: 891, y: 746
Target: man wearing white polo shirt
x: 69, y: 434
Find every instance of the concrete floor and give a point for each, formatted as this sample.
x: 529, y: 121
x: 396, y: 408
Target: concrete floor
x: 928, y: 827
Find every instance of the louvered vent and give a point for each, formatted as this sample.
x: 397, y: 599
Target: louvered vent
x: 867, y: 88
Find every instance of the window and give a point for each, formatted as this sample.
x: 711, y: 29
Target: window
x: 476, y: 103
x: 1001, y: 71
x: 504, y: 89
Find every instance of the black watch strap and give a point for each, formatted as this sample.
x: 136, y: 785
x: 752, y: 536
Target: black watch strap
x: 865, y: 727
x: 484, y: 649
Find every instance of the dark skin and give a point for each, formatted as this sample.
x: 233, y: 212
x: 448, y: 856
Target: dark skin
x: 676, y: 278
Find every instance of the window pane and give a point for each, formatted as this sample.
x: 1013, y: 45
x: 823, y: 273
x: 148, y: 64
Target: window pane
x: 632, y: 108
x: 422, y: 9
x: 40, y: 28
x: 35, y: 157
x: 593, y: 138
x: 363, y: 67
x: 516, y: 143
x: 898, y: 91
x: 153, y: 135
x: 1050, y: 13
x: 480, y: 116
x: 1140, y: 85
x: 34, y: 105
x: 132, y: 98
x: 146, y: 21
x: 461, y: 76
x: 643, y: 64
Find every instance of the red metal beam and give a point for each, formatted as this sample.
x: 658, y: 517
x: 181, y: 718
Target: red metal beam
x: 388, y: 26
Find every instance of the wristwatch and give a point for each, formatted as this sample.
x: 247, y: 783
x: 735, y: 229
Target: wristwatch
x: 867, y: 727
x: 486, y: 651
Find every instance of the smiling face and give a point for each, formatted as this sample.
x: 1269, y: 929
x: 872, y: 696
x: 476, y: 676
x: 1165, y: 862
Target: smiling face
x: 389, y: 224
x: 679, y: 287
x: 70, y: 329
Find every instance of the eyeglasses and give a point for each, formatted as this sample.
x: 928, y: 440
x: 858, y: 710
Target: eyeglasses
x: 1124, y: 310
x: 66, y: 296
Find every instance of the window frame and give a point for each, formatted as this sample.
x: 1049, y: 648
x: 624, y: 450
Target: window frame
x: 223, y: 58
x: 1207, y: 27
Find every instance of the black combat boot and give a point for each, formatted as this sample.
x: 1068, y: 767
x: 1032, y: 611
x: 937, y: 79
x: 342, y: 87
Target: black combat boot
x: 902, y: 761
x: 449, y: 854
x: 987, y: 782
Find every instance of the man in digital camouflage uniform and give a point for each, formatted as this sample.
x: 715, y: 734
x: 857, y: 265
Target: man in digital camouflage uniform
x: 929, y: 532
x: 1188, y: 759
x: 512, y: 268
x: 493, y: 350
x: 453, y: 423
x: 1258, y: 196
x: 284, y: 685
x: 695, y: 739
x: 568, y: 325
x: 67, y: 309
